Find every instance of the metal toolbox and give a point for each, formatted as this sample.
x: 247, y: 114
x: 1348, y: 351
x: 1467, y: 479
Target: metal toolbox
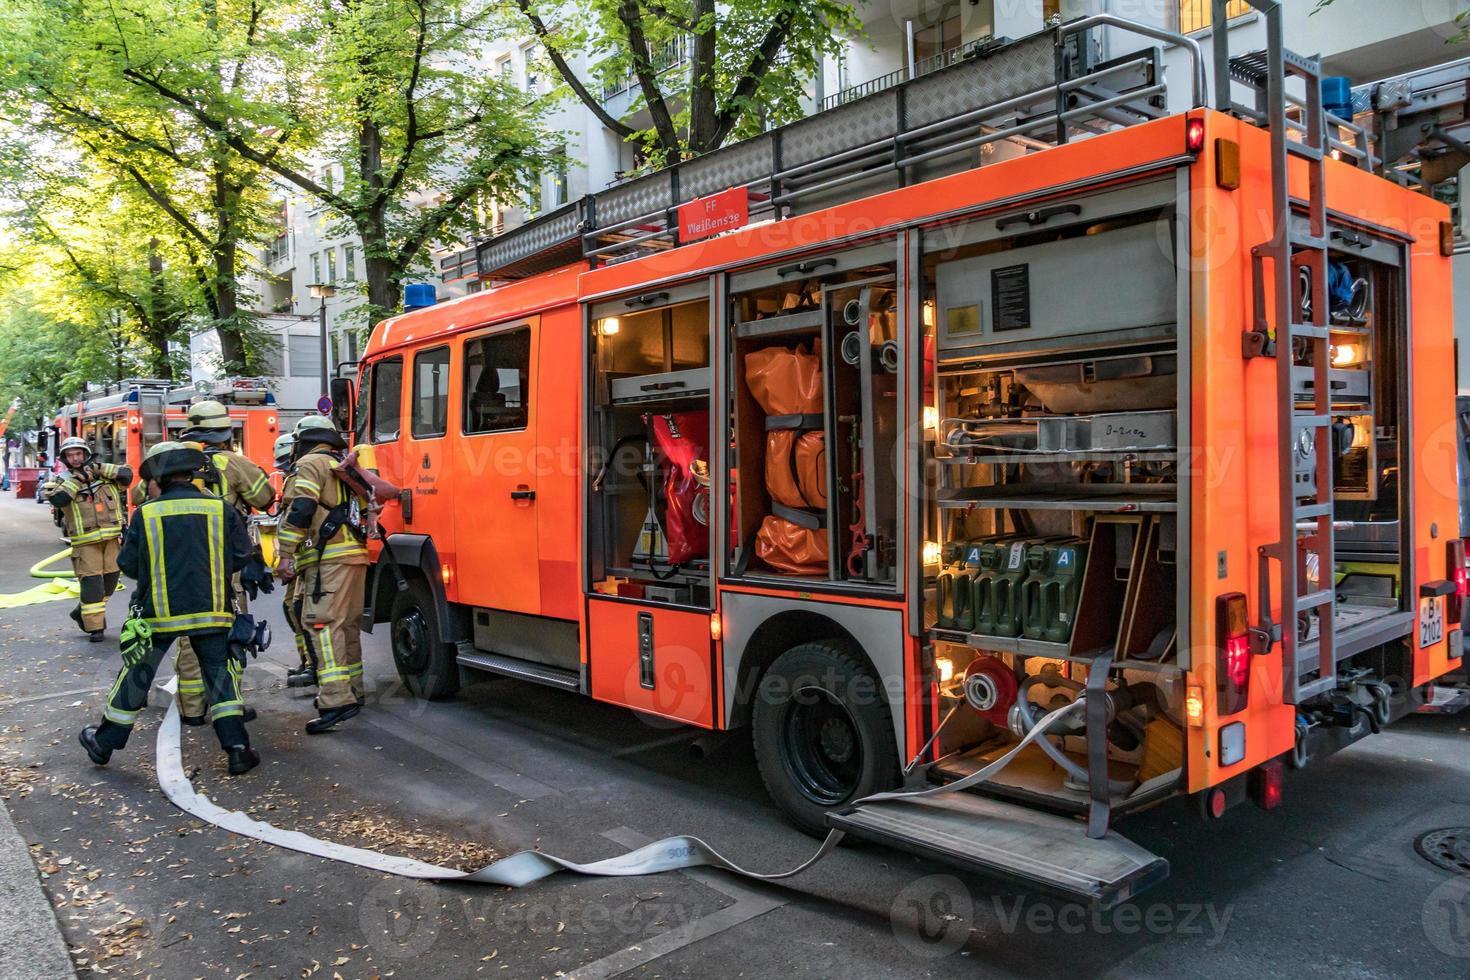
x: 1109, y: 432
x: 660, y: 387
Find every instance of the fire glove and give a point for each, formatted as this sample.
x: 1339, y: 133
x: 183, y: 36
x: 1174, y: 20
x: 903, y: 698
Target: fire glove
x: 255, y: 578
x: 135, y: 640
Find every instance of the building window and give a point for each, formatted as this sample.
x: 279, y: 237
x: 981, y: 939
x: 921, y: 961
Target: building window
x: 532, y: 55
x: 505, y: 70
x: 271, y: 358
x: 305, y: 354
x: 533, y: 197
x: 497, y: 372
x: 349, y: 263
x: 387, y: 399
x: 1195, y: 15
x: 316, y: 268
x: 560, y: 180
x: 935, y: 35
x: 331, y: 267
x: 430, y: 393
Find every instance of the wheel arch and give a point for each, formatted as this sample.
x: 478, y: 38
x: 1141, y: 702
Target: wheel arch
x: 758, y: 629
x: 416, y: 556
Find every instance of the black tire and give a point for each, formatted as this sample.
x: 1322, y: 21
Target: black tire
x: 425, y: 662
x: 823, y: 732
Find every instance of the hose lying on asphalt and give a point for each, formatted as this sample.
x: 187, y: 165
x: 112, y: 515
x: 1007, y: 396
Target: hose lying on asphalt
x: 524, y: 867
x: 38, y: 570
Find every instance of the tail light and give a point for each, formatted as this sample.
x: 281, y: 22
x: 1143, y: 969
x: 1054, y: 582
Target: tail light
x: 1194, y: 134
x: 1266, y: 784
x: 1461, y: 577
x: 1232, y: 654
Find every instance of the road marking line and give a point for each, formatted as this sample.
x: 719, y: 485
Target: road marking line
x: 749, y: 904
x: 47, y: 697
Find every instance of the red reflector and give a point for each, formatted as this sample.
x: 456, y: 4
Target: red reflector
x: 1457, y: 573
x: 1267, y: 783
x: 1194, y: 135
x: 1217, y: 803
x: 1238, y: 660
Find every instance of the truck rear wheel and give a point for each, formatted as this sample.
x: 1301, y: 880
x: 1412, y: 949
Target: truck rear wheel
x: 823, y: 733
x: 425, y: 662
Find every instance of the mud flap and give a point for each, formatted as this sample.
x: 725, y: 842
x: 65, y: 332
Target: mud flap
x: 1043, y: 850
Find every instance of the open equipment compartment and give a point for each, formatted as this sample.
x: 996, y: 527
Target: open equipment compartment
x: 648, y: 528
x: 1058, y: 489
x: 815, y: 391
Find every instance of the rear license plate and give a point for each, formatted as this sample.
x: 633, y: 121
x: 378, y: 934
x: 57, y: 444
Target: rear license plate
x: 1431, y: 621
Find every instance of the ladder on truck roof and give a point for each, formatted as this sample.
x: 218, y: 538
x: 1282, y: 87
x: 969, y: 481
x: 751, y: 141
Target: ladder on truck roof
x: 1298, y: 261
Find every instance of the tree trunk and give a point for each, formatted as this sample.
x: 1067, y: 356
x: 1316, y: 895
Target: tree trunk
x: 155, y: 323
x: 703, y: 112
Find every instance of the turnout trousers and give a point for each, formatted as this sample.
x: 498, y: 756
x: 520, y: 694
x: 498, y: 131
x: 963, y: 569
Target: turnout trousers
x: 291, y: 605
x: 191, y: 694
x: 331, y: 610
x: 220, y: 677
x: 95, y: 565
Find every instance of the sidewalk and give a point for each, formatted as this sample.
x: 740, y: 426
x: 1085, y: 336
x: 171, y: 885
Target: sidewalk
x: 31, y: 946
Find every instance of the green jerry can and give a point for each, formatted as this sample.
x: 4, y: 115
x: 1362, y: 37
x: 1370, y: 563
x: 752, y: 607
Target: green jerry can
x: 947, y: 587
x: 1053, y: 589
x: 990, y: 558
x: 1005, y: 589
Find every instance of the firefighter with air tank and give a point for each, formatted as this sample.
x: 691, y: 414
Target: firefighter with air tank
x: 305, y: 674
x: 322, y: 544
x: 89, y: 508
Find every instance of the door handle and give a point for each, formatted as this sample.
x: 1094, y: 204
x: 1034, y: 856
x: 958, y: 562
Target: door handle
x: 523, y: 495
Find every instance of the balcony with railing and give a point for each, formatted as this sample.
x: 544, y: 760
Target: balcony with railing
x: 674, y: 53
x: 278, y: 252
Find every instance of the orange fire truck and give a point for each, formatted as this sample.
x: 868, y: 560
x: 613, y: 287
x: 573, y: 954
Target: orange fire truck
x: 121, y: 421
x: 888, y: 431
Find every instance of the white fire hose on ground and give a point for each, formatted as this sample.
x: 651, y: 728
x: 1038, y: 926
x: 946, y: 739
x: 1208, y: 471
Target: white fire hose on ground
x: 525, y: 867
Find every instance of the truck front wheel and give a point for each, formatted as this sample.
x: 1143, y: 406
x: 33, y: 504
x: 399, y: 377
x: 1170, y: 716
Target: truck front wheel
x: 823, y: 733
x: 425, y: 662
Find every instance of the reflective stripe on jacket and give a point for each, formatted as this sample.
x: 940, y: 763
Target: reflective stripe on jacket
x: 182, y: 548
x: 91, y: 511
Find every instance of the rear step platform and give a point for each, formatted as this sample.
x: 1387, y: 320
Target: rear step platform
x: 1041, y: 849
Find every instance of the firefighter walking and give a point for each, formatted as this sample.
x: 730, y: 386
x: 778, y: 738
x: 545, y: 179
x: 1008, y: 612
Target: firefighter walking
x: 322, y: 541
x: 244, y: 486
x: 89, y: 506
x: 182, y: 549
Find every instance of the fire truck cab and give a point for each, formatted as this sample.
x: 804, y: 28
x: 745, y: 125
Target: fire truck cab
x: 995, y: 391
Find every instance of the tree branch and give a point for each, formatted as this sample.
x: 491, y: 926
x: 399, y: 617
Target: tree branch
x: 760, y: 63
x: 663, y: 123
x: 538, y: 26
x: 411, y: 135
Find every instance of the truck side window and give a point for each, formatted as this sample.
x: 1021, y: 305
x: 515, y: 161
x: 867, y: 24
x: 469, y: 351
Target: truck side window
x: 387, y: 399
x: 497, y: 372
x: 430, y: 393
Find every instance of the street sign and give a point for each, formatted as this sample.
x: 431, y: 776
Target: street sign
x: 706, y: 216
x: 324, y: 405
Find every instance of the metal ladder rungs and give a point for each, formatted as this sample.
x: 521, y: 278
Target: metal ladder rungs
x: 1304, y: 241
x: 1310, y: 331
x: 1304, y: 150
x: 1310, y: 421
x: 1300, y: 65
x: 1312, y: 600
x: 1314, y: 511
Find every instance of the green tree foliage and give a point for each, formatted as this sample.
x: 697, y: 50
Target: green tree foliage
x: 65, y: 78
x: 390, y: 91
x: 748, y: 62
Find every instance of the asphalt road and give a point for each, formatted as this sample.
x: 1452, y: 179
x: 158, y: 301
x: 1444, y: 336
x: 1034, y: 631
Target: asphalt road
x: 1328, y: 884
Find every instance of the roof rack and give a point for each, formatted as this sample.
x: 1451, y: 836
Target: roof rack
x: 1040, y: 91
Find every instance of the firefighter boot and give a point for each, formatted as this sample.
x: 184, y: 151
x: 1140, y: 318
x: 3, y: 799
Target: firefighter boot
x: 98, y: 636
x: 242, y: 759
x: 301, y: 677
x: 99, y: 754
x: 330, y: 718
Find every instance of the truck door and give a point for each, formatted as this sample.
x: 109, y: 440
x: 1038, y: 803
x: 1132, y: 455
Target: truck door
x: 495, y: 504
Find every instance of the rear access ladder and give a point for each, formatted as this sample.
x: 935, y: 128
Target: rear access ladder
x: 1298, y: 288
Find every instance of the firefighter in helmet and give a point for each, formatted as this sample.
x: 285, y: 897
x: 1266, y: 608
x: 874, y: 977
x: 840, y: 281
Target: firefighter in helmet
x: 182, y: 548
x: 305, y: 673
x: 323, y: 542
x: 245, y: 487
x: 89, y: 507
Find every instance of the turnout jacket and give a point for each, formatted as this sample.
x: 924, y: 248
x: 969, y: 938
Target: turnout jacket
x: 90, y: 501
x: 311, y: 495
x: 244, y: 485
x: 181, y: 548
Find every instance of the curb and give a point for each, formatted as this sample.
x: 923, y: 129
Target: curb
x: 31, y: 944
